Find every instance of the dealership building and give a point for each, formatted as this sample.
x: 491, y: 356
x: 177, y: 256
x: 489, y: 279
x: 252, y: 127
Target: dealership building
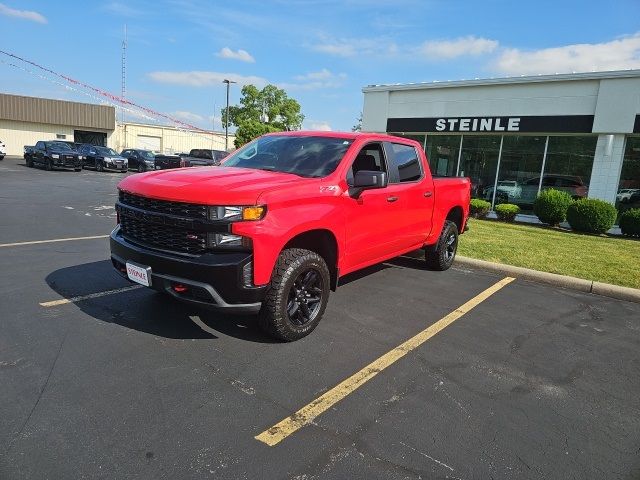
x: 515, y: 136
x: 26, y: 120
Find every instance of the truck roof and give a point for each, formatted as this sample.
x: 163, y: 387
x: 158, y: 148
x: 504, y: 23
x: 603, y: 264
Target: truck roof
x: 332, y: 134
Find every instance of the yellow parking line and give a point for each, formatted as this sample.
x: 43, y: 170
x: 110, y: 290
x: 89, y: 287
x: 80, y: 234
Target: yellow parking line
x: 35, y: 242
x: 309, y: 412
x: 64, y: 301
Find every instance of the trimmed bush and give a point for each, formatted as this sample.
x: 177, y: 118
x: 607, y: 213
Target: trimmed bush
x: 507, y: 212
x: 591, y: 215
x: 630, y: 222
x: 479, y: 208
x: 551, y: 206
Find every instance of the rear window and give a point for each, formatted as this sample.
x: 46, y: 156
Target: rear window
x: 405, y: 159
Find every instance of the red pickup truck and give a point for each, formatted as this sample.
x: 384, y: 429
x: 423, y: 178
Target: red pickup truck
x: 272, y: 229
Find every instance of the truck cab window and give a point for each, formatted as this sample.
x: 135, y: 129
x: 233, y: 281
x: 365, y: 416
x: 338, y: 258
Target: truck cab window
x: 404, y: 158
x: 371, y: 157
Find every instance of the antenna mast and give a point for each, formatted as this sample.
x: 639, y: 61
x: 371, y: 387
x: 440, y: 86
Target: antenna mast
x: 124, y: 64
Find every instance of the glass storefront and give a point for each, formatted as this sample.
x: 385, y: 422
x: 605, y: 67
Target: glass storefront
x: 628, y: 195
x: 525, y: 164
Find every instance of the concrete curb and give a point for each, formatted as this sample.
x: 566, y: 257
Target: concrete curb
x: 573, y: 283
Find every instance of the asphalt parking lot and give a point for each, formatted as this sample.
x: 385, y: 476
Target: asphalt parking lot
x: 533, y: 382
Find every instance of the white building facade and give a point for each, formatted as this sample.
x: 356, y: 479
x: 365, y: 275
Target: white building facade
x: 515, y: 136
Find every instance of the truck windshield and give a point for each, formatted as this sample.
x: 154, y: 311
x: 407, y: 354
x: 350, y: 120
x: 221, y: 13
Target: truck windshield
x: 306, y: 156
x: 58, y: 145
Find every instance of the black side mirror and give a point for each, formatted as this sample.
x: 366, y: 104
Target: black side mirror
x: 367, y: 180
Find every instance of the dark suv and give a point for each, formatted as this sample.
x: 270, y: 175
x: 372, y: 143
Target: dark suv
x: 141, y: 160
x: 102, y: 158
x: 52, y: 155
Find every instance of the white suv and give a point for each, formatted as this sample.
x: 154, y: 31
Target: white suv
x: 3, y: 150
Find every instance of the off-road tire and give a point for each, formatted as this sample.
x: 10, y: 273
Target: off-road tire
x: 441, y: 255
x: 292, y: 265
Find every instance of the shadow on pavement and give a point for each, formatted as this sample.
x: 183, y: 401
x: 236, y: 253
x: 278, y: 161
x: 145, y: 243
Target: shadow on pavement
x: 146, y: 310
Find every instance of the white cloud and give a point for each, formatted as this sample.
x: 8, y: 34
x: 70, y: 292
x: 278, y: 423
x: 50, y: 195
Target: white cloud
x: 188, y: 116
x: 23, y: 14
x: 241, y: 55
x: 318, y: 125
x: 620, y: 54
x: 350, y: 47
x: 457, y: 47
x: 204, y: 79
x: 315, y: 80
x: 122, y: 9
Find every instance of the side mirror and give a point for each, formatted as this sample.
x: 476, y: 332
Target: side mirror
x: 367, y: 180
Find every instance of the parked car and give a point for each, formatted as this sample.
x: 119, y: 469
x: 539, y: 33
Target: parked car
x: 506, y: 191
x: 199, y: 157
x: 52, y: 155
x: 571, y: 184
x: 141, y: 160
x: 624, y: 195
x: 3, y: 150
x: 165, y: 162
x: 102, y: 158
x: 273, y: 229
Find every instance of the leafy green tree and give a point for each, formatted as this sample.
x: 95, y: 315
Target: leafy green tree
x: 358, y: 126
x: 262, y: 111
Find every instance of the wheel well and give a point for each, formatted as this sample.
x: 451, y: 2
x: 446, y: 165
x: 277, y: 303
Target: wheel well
x: 324, y: 243
x: 456, y: 215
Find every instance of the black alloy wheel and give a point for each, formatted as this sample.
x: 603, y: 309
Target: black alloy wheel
x: 305, y: 297
x: 297, y: 295
x: 441, y: 255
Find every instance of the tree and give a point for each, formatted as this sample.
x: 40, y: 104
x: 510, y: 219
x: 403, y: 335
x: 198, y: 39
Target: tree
x: 262, y: 111
x: 358, y: 126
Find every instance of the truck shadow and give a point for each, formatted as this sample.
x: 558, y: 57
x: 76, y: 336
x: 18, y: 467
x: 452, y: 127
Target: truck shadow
x: 146, y: 310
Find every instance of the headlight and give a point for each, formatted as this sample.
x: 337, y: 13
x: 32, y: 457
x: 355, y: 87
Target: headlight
x: 80, y: 157
x: 256, y: 212
x: 108, y: 159
x: 55, y: 155
x: 227, y: 240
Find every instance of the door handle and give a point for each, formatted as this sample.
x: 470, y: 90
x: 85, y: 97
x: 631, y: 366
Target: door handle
x: 392, y: 199
x: 428, y: 194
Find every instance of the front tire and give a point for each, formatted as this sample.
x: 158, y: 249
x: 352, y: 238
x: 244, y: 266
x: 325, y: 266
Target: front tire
x: 297, y: 295
x: 99, y: 166
x: 441, y: 255
x: 47, y: 165
x: 141, y: 168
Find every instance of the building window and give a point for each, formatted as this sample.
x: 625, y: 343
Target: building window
x: 569, y: 163
x: 61, y: 136
x: 443, y: 152
x: 479, y: 161
x: 629, y: 187
x: 519, y: 175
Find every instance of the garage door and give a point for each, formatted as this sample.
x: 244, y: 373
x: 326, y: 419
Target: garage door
x: 147, y: 142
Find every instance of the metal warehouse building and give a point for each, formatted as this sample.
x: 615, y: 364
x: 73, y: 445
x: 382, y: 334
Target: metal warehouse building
x: 25, y: 120
x: 515, y: 136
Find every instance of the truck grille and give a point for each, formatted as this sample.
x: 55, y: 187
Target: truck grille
x: 179, y: 209
x: 156, y: 231
x: 162, y: 236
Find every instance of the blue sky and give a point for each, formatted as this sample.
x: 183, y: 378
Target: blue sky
x: 321, y: 52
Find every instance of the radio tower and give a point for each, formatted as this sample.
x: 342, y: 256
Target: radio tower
x: 124, y: 64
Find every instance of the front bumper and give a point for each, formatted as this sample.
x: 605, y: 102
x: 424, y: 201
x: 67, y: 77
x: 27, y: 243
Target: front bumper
x: 115, y: 168
x: 66, y: 162
x: 214, y: 280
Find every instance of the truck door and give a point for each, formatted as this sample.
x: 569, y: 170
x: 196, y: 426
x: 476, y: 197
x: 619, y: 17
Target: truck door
x: 407, y: 171
x: 372, y: 217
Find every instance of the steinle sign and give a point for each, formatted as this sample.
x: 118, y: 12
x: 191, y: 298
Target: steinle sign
x: 490, y: 124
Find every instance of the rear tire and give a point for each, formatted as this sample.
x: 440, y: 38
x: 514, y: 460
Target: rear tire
x: 441, y: 255
x: 29, y: 162
x: 297, y: 295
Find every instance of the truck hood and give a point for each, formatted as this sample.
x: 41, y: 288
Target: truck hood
x: 209, y: 185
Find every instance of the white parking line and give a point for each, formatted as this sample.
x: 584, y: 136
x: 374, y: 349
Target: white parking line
x: 36, y: 242
x: 64, y: 301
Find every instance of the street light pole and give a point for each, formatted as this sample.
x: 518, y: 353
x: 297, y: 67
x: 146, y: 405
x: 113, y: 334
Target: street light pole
x: 226, y: 124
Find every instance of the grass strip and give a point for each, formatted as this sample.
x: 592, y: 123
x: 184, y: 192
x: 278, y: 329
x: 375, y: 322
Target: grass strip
x: 606, y: 259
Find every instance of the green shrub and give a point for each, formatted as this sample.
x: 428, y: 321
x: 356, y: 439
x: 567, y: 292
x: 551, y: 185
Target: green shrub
x: 479, y: 208
x: 591, y: 215
x: 630, y: 222
x: 507, y: 212
x: 551, y: 206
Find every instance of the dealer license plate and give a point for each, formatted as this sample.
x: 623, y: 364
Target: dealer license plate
x: 141, y: 275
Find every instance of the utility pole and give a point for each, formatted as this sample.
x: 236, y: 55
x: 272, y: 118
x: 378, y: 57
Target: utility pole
x: 226, y: 124
x: 124, y: 65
